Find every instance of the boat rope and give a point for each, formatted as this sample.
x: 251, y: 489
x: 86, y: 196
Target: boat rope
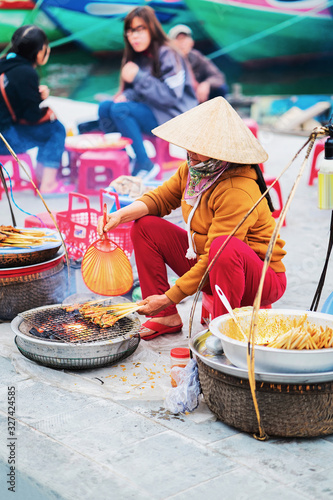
x: 81, y: 34
x: 269, y: 31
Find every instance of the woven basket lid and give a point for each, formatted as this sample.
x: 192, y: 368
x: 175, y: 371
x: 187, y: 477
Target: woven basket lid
x: 214, y: 129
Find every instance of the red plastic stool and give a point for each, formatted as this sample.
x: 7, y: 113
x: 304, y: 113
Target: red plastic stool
x: 19, y: 179
x: 277, y: 189
x: 318, y: 149
x: 98, y: 168
x: 207, y: 308
x: 162, y: 155
x: 45, y: 220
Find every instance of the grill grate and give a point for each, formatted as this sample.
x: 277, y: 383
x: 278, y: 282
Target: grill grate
x: 56, y: 324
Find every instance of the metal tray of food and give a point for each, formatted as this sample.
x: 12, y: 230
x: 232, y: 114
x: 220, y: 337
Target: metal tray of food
x: 218, y: 361
x: 11, y: 256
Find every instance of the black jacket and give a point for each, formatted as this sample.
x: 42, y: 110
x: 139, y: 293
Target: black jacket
x: 22, y: 89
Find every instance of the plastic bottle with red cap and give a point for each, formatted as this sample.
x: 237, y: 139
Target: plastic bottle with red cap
x: 179, y: 356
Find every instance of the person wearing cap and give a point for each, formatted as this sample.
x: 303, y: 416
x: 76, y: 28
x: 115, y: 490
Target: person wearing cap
x: 209, y: 81
x: 156, y: 85
x: 215, y: 187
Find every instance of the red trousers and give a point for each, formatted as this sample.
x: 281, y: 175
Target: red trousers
x: 159, y: 243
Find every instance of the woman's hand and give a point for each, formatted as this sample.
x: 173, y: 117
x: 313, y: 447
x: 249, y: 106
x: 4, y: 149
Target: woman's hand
x: 112, y: 221
x: 44, y: 92
x: 129, y: 71
x: 202, y: 91
x: 120, y: 98
x: 154, y: 304
x: 132, y: 212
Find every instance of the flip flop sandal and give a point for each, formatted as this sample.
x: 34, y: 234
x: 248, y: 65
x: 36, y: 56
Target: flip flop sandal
x: 158, y: 329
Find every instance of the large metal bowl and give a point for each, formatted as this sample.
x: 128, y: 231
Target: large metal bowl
x: 269, y: 359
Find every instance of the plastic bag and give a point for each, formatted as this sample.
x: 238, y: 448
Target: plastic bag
x: 184, y: 397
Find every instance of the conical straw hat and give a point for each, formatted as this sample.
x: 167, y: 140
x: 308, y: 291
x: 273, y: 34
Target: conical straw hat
x: 213, y: 129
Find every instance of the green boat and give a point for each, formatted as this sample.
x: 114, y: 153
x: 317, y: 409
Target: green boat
x: 97, y: 25
x: 264, y: 30
x: 14, y: 14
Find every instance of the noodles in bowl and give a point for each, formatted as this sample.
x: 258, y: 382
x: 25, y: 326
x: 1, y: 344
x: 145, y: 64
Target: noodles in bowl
x: 286, y: 341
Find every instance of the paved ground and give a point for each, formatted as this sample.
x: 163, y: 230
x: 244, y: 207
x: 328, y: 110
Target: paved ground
x: 78, y: 439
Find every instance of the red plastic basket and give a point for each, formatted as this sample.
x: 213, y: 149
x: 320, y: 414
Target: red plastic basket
x: 78, y: 227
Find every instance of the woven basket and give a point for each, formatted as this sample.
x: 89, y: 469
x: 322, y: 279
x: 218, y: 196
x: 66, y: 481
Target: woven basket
x: 285, y: 410
x: 27, y: 258
x: 21, y: 293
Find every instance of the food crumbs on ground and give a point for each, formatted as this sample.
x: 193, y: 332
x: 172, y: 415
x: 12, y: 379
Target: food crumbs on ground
x: 124, y: 369
x: 122, y: 366
x: 123, y: 379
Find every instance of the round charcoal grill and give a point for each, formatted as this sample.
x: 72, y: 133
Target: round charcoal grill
x: 56, y: 337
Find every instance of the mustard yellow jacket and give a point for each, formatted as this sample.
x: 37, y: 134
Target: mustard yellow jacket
x: 221, y: 208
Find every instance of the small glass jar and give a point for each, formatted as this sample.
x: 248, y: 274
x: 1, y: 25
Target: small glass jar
x: 179, y: 356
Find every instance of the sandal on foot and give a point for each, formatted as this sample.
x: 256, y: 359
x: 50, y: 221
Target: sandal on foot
x: 158, y: 329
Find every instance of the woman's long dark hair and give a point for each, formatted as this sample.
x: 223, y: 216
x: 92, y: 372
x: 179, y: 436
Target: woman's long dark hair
x: 158, y: 36
x: 262, y: 186
x: 27, y: 41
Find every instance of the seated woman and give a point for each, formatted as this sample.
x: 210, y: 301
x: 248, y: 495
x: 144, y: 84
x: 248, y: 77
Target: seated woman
x: 25, y: 124
x: 155, y: 86
x: 216, y: 187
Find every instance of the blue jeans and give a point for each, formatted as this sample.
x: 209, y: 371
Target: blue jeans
x: 49, y: 137
x: 131, y: 119
x: 218, y: 91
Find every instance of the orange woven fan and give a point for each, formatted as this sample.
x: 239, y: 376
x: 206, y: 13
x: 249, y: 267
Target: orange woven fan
x: 105, y: 268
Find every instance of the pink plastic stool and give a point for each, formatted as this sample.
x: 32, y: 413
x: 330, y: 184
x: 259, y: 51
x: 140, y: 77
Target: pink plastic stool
x: 45, y: 220
x: 19, y: 179
x: 277, y: 189
x: 98, y: 168
x: 253, y: 126
x: 207, y: 308
x: 319, y: 148
x: 162, y: 155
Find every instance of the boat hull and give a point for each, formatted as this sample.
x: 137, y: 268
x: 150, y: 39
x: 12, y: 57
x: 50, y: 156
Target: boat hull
x: 258, y: 30
x: 11, y: 19
x: 98, y: 26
